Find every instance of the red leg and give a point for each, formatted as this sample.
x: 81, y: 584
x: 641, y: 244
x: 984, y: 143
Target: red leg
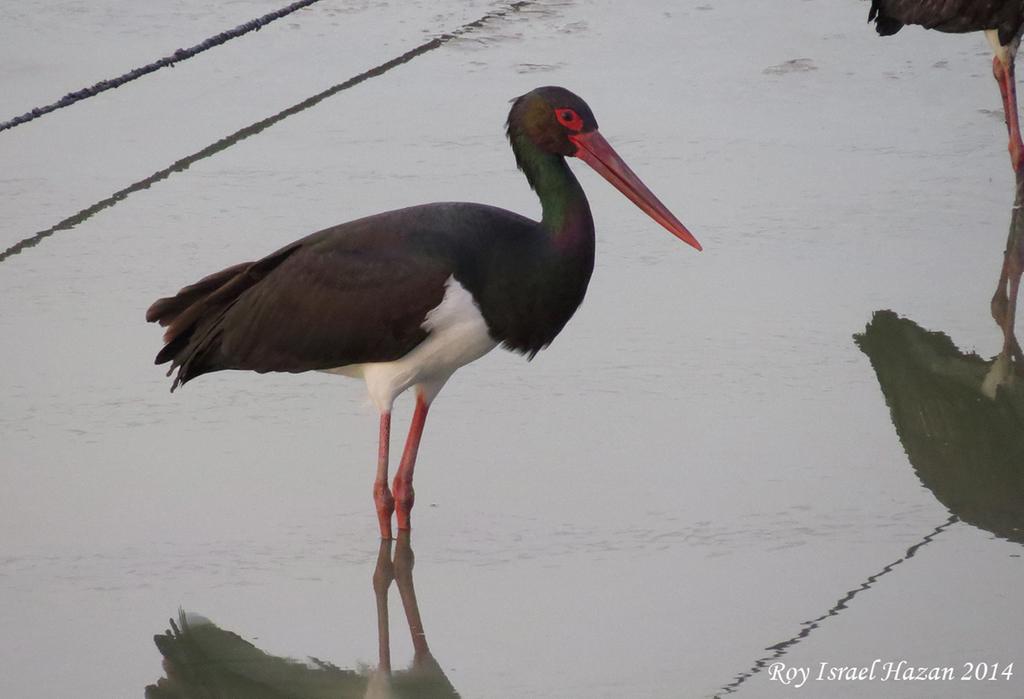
x: 1005, y: 75
x: 382, y: 498
x: 404, y: 494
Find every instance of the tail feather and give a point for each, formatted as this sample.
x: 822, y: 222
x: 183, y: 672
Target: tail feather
x: 192, y: 316
x: 884, y: 24
x: 165, y: 310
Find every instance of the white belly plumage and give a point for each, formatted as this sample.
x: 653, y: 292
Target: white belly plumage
x: 457, y: 336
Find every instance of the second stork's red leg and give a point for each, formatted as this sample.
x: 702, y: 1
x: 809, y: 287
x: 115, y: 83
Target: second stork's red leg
x: 1004, y: 302
x: 1005, y: 75
x: 382, y: 498
x: 404, y: 494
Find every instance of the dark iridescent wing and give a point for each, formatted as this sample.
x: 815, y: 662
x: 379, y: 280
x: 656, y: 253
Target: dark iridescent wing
x: 354, y: 293
x: 327, y: 306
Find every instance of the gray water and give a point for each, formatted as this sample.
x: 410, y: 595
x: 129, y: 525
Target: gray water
x: 702, y: 466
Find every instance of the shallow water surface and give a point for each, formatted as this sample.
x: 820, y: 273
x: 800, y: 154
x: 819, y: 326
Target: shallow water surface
x: 705, y: 475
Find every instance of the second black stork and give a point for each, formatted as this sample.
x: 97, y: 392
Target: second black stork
x: 1003, y: 22
x: 404, y: 298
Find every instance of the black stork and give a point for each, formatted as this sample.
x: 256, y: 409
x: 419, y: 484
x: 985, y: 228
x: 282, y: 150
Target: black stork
x: 403, y: 298
x: 1003, y: 22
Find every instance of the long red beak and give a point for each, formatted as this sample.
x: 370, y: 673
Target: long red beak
x: 598, y: 154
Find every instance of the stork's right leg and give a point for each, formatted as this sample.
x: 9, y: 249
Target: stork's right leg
x: 403, y: 477
x: 1003, y: 70
x: 382, y: 498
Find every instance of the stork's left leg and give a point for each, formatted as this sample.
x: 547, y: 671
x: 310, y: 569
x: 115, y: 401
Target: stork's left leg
x: 382, y: 498
x: 402, y: 486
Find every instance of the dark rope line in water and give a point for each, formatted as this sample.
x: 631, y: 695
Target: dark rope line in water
x: 782, y: 647
x: 253, y: 129
x: 179, y: 55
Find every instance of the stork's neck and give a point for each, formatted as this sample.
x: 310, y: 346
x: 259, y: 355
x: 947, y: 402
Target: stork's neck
x: 566, y: 211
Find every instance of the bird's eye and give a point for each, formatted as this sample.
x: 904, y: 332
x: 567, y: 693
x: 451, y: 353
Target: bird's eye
x: 569, y: 119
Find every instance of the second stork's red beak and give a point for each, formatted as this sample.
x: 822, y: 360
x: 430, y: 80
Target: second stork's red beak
x: 596, y: 152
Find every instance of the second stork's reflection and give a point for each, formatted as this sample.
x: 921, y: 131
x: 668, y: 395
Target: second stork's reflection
x: 965, y: 446
x: 204, y: 661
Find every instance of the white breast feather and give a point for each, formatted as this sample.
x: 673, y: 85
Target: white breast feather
x: 457, y: 336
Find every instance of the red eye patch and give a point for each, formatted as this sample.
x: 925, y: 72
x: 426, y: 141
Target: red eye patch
x: 569, y: 119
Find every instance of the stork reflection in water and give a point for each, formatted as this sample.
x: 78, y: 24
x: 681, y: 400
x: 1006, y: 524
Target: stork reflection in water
x: 960, y: 429
x: 202, y: 660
